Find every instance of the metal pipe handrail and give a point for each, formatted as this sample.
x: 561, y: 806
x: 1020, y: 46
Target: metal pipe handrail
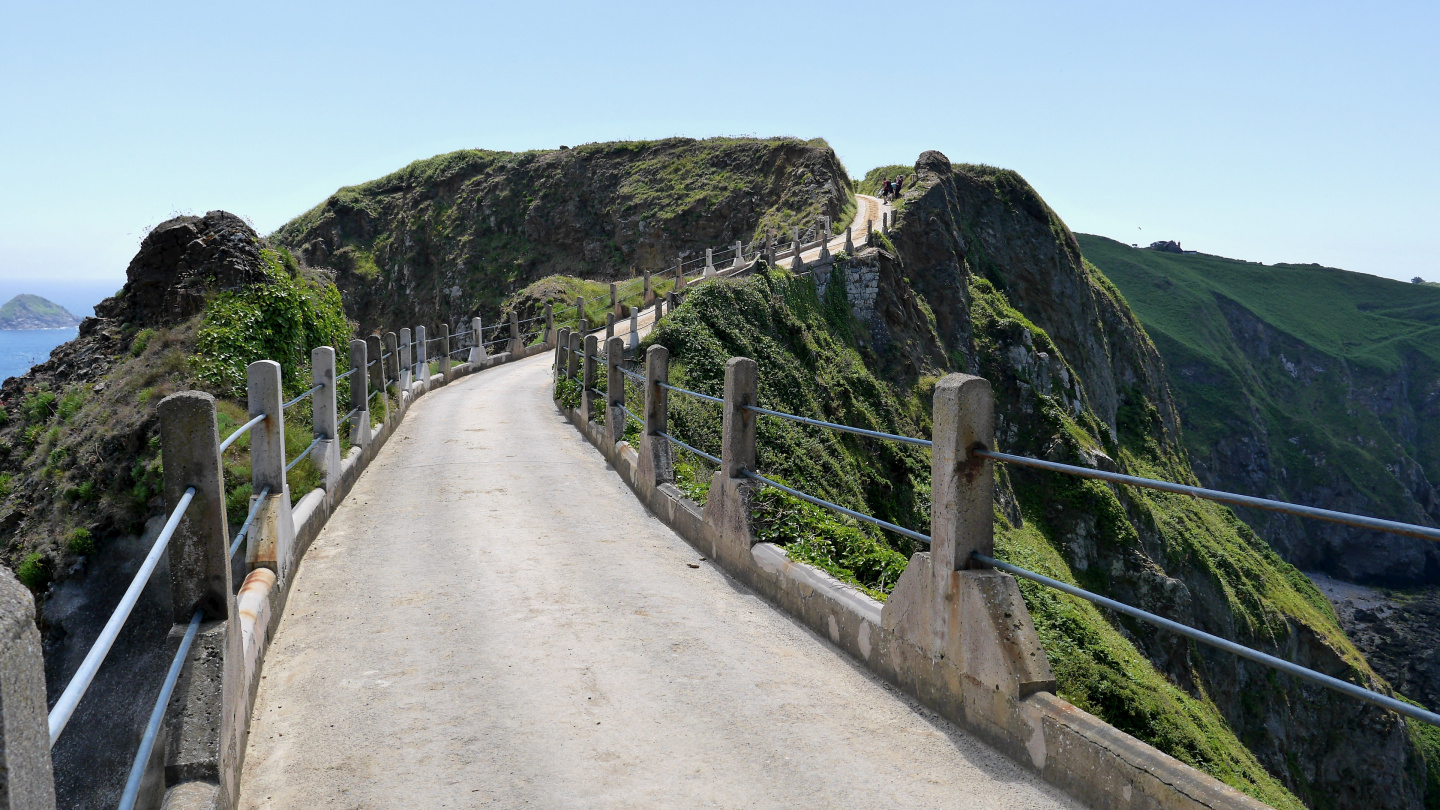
x: 157, y: 715
x: 385, y: 355
x: 529, y: 320
x: 632, y: 375
x: 697, y: 394
x: 80, y: 682
x: 924, y: 538
x: 304, y: 454
x: 875, y: 434
x: 372, y: 362
x: 240, y: 431
x: 694, y: 450
x: 245, y: 527
x: 340, y: 377
x: 629, y: 414
x: 312, y: 390
x: 346, y: 417
x: 372, y: 396
x: 1219, y: 643
x: 1357, y: 521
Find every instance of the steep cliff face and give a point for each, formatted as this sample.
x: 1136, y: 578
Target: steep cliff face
x: 1306, y: 384
x: 451, y: 237
x: 1078, y: 380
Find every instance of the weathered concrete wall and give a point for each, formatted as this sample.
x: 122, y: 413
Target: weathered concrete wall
x: 989, y: 676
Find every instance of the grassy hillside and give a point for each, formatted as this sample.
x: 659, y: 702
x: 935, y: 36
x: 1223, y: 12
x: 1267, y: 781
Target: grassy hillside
x: 453, y: 236
x: 812, y: 362
x: 1305, y: 383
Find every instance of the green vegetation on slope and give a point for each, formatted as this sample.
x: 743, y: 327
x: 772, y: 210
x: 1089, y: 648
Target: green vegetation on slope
x: 810, y: 363
x: 455, y: 235
x: 1329, y: 374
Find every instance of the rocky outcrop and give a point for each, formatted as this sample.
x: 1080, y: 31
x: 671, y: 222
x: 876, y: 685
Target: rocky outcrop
x: 179, y: 262
x: 452, y: 237
x: 1070, y: 358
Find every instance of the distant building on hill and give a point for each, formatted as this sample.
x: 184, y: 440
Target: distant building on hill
x: 1166, y: 246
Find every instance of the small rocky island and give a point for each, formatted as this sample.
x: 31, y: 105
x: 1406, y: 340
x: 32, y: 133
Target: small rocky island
x: 34, y: 312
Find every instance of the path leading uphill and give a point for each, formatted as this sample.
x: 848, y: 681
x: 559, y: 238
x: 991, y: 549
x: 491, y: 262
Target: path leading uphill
x: 492, y: 619
x: 866, y: 208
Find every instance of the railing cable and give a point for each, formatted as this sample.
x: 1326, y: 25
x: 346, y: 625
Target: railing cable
x: 303, y: 454
x: 1357, y: 521
x: 1201, y: 636
x: 302, y: 396
x: 696, y: 451
x: 696, y: 394
x: 240, y: 431
x: 75, y: 690
x: 875, y: 434
x: 157, y: 714
x: 924, y: 538
x: 245, y: 527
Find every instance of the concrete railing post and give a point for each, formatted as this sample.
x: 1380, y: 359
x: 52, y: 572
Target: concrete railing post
x: 656, y: 465
x: 739, y: 256
x: 615, y: 299
x: 549, y: 324
x: 659, y: 308
x: 869, y: 232
x: 632, y: 341
x: 884, y: 221
x: 587, y: 391
x: 738, y: 424
x: 375, y: 351
x: 199, y: 561
x: 609, y: 325
x: 392, y: 368
x: 407, y: 365
x: 769, y: 250
x: 199, y: 551
x: 577, y: 348
x: 29, y: 781
x: 580, y: 314
x: 478, y: 356
x: 562, y: 353
x: 648, y: 297
x: 272, y: 535
x: 325, y: 417
x: 445, y: 352
x: 614, y: 391
x: 796, y: 263
x: 680, y: 274
x: 359, y: 395
x: 709, y: 263
x: 422, y: 359
x: 517, y: 349
x: 849, y: 243
x: 670, y: 301
x: 962, y: 506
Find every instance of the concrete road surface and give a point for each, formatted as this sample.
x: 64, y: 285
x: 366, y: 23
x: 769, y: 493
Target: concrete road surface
x: 492, y: 619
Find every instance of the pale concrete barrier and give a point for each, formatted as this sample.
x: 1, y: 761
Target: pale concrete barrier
x: 958, y: 639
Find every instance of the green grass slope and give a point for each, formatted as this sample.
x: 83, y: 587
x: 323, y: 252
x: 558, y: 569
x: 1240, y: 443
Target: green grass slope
x: 1300, y: 382
x: 811, y: 362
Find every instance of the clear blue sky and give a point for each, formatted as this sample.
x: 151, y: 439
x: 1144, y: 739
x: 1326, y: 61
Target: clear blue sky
x: 1267, y: 131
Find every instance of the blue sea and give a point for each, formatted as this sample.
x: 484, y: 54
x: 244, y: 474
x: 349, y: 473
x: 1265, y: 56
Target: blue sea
x: 22, y: 348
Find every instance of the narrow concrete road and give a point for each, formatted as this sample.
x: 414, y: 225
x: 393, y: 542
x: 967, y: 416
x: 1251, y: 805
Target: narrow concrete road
x: 492, y: 619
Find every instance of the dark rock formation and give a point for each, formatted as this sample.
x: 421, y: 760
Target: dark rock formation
x: 452, y: 237
x: 964, y: 223
x: 179, y: 262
